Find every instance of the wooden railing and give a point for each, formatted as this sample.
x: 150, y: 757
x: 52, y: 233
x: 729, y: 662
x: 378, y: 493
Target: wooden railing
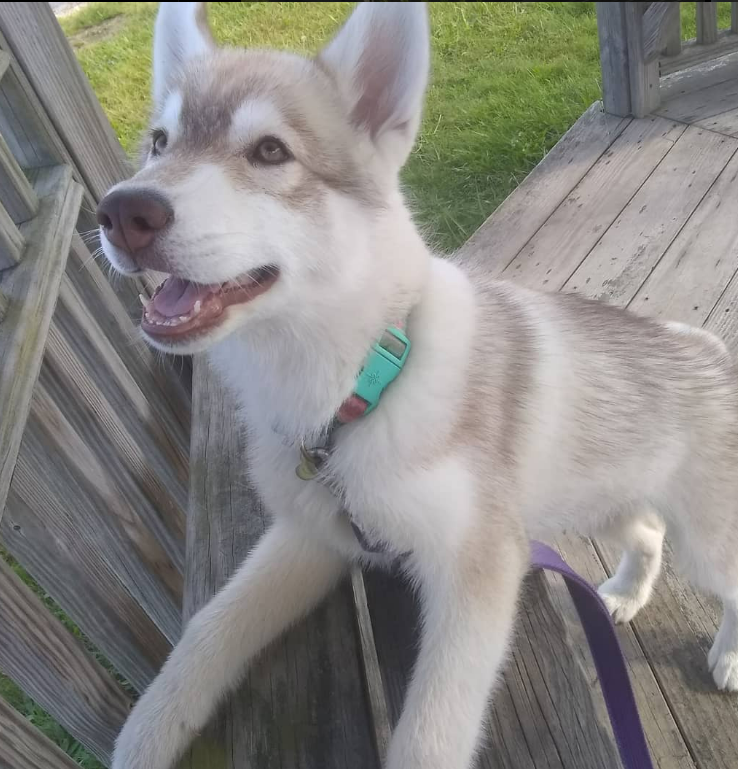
x: 641, y: 42
x: 94, y: 430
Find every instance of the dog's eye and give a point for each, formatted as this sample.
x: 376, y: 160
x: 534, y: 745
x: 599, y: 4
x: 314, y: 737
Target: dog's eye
x: 271, y: 151
x: 158, y: 142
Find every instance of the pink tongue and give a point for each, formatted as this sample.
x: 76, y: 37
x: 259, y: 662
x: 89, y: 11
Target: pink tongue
x: 178, y: 296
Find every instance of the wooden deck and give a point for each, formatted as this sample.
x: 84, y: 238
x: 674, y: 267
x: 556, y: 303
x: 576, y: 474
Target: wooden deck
x: 644, y: 213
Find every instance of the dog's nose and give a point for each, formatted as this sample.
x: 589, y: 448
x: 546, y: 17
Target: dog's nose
x: 131, y: 219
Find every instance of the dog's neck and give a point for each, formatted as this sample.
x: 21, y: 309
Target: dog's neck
x: 294, y: 372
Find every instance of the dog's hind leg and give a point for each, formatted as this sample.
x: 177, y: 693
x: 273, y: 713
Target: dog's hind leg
x: 723, y: 656
x: 629, y: 589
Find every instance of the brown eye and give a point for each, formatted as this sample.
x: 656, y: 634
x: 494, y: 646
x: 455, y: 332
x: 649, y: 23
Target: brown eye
x: 271, y: 151
x: 158, y: 142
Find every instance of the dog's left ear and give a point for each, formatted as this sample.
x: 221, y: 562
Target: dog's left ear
x: 381, y: 59
x: 181, y: 33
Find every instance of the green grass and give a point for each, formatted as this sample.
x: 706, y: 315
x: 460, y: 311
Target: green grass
x: 508, y: 80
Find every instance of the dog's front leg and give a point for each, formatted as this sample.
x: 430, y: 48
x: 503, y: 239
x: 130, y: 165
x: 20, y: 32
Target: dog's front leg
x: 468, y: 614
x: 287, y: 575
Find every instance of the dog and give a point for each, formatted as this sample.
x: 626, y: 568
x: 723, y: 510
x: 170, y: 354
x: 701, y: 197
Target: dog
x: 269, y: 195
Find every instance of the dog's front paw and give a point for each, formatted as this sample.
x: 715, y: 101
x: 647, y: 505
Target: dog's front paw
x: 622, y: 601
x: 723, y: 663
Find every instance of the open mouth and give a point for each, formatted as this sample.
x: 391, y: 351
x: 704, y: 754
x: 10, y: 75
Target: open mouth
x: 180, y: 308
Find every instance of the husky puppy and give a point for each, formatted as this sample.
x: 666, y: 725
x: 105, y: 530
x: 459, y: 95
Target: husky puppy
x: 269, y: 195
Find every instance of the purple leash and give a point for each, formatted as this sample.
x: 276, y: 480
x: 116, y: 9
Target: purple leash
x: 608, y: 659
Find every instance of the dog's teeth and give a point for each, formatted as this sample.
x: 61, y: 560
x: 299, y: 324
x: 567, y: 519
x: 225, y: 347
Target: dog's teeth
x: 196, y: 308
x: 183, y: 318
x: 144, y: 301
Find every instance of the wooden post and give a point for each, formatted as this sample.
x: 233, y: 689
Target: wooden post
x: 734, y: 18
x: 707, y: 23
x: 614, y: 58
x: 644, y: 75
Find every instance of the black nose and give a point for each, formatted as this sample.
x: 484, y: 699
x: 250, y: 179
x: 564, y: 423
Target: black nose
x: 131, y: 219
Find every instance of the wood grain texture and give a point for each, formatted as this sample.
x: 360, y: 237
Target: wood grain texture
x: 12, y: 242
x: 562, y: 243
x: 658, y: 23
x: 542, y: 713
x: 110, y: 422
x: 693, y: 53
x: 520, y: 215
x: 698, y: 77
x: 673, y: 32
x: 707, y: 23
x: 38, y: 653
x: 694, y: 271
x: 303, y: 703
x: 643, y: 73
x: 724, y: 123
x: 80, y: 522
x: 702, y: 103
x: 41, y: 49
x: 16, y: 194
x: 30, y: 293
x: 635, y: 242
x: 23, y: 746
x: 613, y: 57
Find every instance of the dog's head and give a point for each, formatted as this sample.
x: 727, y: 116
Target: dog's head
x: 265, y: 173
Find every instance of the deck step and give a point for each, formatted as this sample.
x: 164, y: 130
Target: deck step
x: 28, y: 294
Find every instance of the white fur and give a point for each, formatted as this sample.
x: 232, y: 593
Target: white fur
x: 413, y: 473
x: 169, y: 120
x: 177, y: 39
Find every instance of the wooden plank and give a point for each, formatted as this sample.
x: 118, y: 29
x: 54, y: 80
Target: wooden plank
x: 665, y: 741
x: 560, y: 246
x: 158, y: 378
x: 673, y: 31
x: 658, y: 19
x: 699, y: 77
x: 131, y: 428
x: 4, y: 62
x: 520, y: 215
x: 734, y: 18
x: 707, y: 23
x: 41, y: 49
x: 73, y: 527
x: 644, y: 74
x: 636, y: 241
x: 692, y: 274
x: 30, y: 292
x: 371, y: 667
x: 305, y: 693
x: 541, y: 714
x: 23, y: 746
x: 724, y: 123
x: 16, y: 194
x: 613, y: 57
x: 693, y: 53
x: 38, y: 653
x: 12, y: 242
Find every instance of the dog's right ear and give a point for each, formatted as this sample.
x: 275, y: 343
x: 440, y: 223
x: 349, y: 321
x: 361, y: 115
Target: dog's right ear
x: 181, y: 33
